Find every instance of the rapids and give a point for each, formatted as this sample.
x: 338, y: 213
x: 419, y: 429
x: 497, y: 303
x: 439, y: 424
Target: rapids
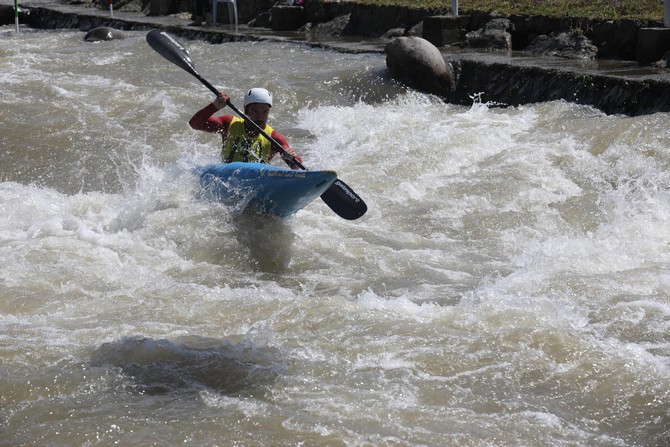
x: 508, y: 286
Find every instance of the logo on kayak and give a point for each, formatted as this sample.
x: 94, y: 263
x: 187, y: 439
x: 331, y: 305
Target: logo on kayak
x: 282, y: 173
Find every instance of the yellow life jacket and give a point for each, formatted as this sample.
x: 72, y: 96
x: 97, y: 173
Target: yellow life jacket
x: 239, y: 146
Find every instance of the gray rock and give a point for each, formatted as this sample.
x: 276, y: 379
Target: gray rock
x: 569, y: 45
x: 493, y: 36
x: 335, y: 27
x: 416, y: 30
x: 420, y: 64
x: 103, y: 33
x: 393, y: 33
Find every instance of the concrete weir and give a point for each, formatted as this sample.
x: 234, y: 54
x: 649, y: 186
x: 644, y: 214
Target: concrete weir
x: 506, y: 79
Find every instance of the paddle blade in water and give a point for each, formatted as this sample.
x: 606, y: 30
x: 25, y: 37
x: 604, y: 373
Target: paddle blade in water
x: 344, y: 201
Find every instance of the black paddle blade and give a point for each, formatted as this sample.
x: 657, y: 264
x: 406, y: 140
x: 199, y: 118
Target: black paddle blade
x: 344, y: 201
x: 170, y: 48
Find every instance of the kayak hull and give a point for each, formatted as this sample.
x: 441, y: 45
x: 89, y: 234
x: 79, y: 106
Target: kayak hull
x: 263, y: 188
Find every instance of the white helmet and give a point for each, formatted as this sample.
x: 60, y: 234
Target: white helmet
x: 258, y: 96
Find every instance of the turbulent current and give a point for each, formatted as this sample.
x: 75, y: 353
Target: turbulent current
x: 509, y: 285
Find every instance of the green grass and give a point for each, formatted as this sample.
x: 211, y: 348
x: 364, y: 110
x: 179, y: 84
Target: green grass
x: 594, y: 9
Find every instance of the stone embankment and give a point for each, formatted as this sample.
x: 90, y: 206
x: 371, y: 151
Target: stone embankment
x: 615, y: 82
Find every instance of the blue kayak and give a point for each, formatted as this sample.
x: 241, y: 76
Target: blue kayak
x: 263, y: 188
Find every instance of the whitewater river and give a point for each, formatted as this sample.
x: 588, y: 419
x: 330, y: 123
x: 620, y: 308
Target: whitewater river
x: 509, y: 285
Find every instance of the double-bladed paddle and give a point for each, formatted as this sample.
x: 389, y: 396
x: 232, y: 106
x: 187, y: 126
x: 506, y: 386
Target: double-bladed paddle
x: 339, y: 196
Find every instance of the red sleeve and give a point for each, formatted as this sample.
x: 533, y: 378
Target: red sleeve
x: 282, y: 141
x: 203, y: 120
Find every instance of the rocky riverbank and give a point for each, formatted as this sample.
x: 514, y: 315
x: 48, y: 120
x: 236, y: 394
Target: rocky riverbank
x: 614, y: 85
x: 613, y: 39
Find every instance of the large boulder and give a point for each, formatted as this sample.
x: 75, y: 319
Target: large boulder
x: 419, y: 64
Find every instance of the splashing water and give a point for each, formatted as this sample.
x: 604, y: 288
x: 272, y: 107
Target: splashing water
x: 508, y: 286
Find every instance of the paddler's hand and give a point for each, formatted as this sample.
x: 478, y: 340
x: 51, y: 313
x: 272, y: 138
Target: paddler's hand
x: 288, y: 159
x: 292, y: 153
x: 221, y: 101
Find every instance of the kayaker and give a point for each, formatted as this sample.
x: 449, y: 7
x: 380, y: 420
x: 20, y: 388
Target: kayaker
x: 242, y: 141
